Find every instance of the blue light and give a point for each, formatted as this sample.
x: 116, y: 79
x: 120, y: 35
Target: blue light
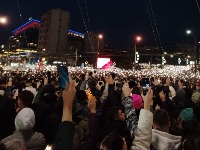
x: 74, y: 32
x: 33, y: 20
x: 38, y: 60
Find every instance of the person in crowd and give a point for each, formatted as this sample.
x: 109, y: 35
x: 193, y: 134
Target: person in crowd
x: 29, y: 86
x: 141, y: 131
x: 24, y: 123
x: 64, y: 136
x: 48, y: 110
x: 137, y: 103
x: 169, y: 90
x: 7, y: 110
x: 84, y: 84
x: 162, y: 101
x: 25, y: 99
x: 161, y: 139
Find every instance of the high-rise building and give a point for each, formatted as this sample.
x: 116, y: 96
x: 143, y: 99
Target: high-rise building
x: 52, y: 34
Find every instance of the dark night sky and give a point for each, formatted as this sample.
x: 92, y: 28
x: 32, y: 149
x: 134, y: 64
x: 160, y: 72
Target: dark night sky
x: 118, y: 20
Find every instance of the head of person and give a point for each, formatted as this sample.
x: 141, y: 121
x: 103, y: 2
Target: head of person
x: 90, y: 74
x: 25, y: 120
x: 161, y: 120
x: 180, y: 82
x: 111, y: 78
x: 168, y: 81
x: 186, y: 119
x: 116, y: 113
x: 2, y: 84
x: 55, y: 84
x: 161, y: 94
x: 25, y: 99
x: 113, y: 142
x: 28, y: 82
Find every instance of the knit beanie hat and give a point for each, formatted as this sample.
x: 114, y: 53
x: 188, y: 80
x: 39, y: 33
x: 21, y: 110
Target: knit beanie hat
x: 25, y: 119
x: 137, y: 101
x: 196, y: 97
x: 187, y: 114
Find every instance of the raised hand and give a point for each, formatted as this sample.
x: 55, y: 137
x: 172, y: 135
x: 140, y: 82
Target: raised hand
x: 148, y: 99
x: 126, y: 90
x: 68, y: 97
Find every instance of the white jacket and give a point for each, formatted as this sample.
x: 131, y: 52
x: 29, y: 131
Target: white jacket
x: 165, y: 141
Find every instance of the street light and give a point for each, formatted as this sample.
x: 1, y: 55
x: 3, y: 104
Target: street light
x: 100, y: 36
x: 3, y: 20
x: 137, y: 40
x: 195, y: 49
x: 188, y: 31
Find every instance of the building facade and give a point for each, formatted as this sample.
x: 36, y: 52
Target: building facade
x: 52, y: 34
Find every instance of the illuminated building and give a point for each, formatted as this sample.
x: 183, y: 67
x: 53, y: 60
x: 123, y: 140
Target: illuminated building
x: 25, y: 36
x: 75, y: 42
x: 52, y: 33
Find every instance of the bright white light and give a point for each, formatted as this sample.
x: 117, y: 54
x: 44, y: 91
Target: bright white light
x: 188, y: 31
x: 102, y: 61
x: 3, y: 20
x: 100, y: 36
x: 138, y: 38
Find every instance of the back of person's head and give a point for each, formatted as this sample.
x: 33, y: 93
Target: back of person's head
x: 136, y: 90
x: 112, y: 142
x: 25, y: 119
x: 55, y: 83
x: 114, y: 114
x: 161, y: 120
x: 26, y: 97
x: 90, y: 74
x: 113, y: 75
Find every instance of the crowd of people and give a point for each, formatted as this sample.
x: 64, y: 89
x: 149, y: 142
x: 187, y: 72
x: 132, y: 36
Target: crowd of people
x: 106, y: 110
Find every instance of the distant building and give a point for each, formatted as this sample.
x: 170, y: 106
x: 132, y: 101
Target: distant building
x: 75, y: 42
x: 25, y: 36
x: 52, y: 34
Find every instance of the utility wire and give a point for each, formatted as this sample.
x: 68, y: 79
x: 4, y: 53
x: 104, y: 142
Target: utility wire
x: 88, y: 20
x: 152, y: 27
x: 85, y: 25
x: 155, y: 25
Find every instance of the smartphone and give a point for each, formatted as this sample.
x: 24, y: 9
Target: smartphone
x: 145, y: 83
x: 63, y: 76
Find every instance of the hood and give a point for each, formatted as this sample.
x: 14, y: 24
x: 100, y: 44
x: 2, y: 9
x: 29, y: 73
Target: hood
x: 165, y: 141
x: 25, y: 119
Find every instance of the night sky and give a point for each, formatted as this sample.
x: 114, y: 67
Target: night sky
x: 118, y: 20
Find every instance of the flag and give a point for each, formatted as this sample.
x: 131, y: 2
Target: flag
x: 108, y: 66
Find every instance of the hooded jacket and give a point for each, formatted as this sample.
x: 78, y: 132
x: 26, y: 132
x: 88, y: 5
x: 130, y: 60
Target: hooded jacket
x: 165, y: 141
x: 24, y: 123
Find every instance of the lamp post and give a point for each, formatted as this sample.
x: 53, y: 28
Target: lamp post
x: 196, y: 62
x: 137, y: 40
x: 100, y: 36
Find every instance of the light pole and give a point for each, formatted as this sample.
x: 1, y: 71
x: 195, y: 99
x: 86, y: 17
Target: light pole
x: 100, y: 36
x: 196, y: 60
x: 137, y: 40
